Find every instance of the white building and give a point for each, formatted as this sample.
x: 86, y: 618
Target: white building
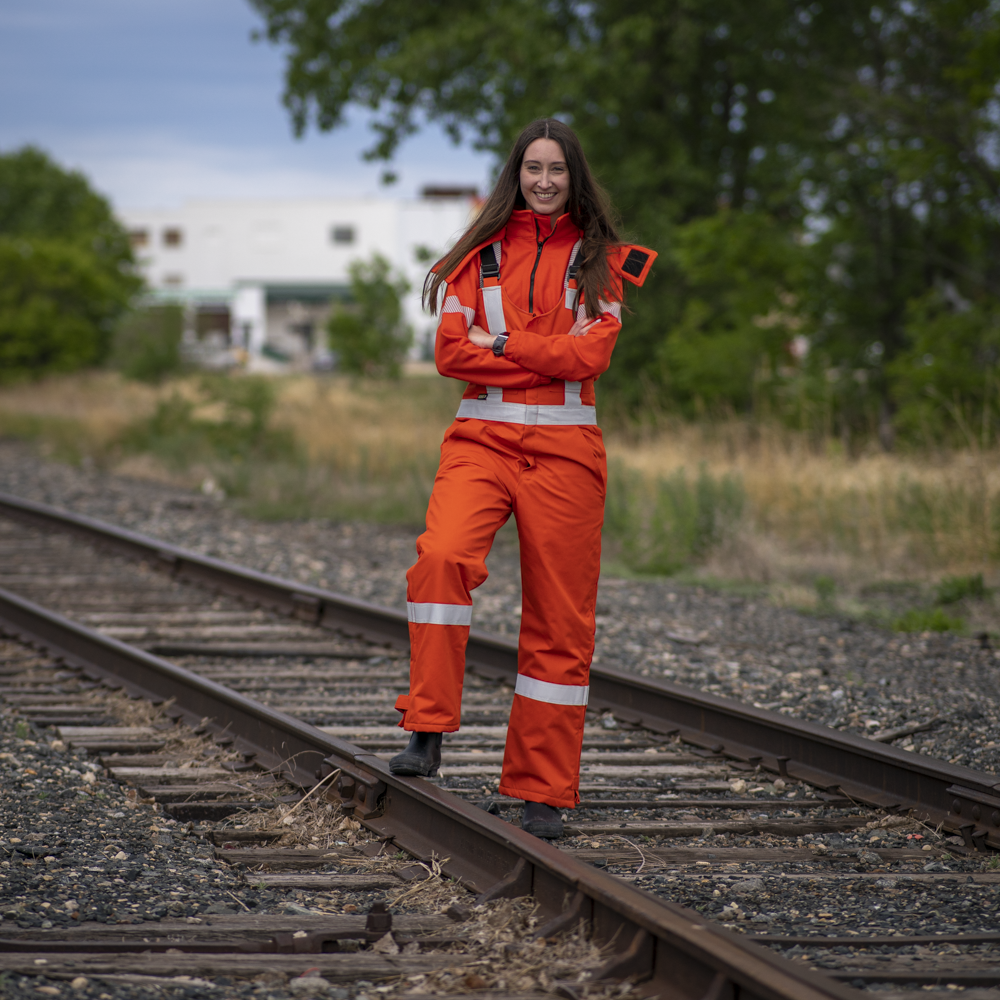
x: 260, y: 276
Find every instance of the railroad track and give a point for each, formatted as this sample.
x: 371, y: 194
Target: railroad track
x: 300, y: 683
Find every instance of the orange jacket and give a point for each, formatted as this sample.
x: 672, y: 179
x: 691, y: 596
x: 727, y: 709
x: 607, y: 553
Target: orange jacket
x: 534, y: 256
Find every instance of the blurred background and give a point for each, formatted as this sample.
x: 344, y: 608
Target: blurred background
x: 215, y: 220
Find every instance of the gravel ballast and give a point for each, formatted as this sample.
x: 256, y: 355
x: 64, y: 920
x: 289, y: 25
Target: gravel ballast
x: 839, y: 672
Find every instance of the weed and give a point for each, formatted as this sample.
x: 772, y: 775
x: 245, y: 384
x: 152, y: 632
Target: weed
x: 21, y: 730
x: 954, y: 588
x: 993, y: 863
x: 826, y: 587
x: 666, y: 523
x: 232, y: 424
x: 927, y: 620
x: 146, y: 344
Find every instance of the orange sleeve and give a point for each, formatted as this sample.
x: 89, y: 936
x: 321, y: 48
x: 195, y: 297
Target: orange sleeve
x: 576, y: 359
x: 572, y: 358
x: 457, y: 357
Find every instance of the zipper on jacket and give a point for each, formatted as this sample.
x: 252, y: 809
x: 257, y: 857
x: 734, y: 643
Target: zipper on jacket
x: 538, y: 257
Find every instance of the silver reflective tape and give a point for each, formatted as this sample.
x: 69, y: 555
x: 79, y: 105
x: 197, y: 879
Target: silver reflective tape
x: 453, y: 305
x: 526, y: 413
x: 553, y: 694
x: 493, y: 307
x: 438, y: 614
x: 573, y: 393
x: 572, y: 294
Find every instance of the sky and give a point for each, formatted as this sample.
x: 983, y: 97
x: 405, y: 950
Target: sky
x: 162, y: 101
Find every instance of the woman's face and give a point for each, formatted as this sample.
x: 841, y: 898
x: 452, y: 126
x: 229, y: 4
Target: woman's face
x: 545, y: 177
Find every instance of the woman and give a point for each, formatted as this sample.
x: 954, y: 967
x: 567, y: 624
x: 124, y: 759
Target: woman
x: 531, y: 312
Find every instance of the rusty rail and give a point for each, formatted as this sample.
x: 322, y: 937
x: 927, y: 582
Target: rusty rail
x: 671, y: 951
x: 964, y: 801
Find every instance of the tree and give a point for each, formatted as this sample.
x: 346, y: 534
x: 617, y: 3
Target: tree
x: 868, y: 135
x: 369, y: 336
x: 67, y: 268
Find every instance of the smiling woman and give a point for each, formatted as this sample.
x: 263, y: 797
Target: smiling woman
x: 531, y: 311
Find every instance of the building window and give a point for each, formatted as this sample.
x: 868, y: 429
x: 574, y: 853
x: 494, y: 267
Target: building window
x: 173, y: 280
x: 342, y: 234
x: 172, y: 237
x: 138, y: 238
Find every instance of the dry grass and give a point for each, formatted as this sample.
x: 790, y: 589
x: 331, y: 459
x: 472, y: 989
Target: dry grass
x: 369, y: 451
x: 817, y: 511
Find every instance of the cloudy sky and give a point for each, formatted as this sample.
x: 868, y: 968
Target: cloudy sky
x: 159, y: 101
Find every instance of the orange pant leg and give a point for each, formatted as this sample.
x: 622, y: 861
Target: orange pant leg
x: 559, y: 505
x: 470, y: 502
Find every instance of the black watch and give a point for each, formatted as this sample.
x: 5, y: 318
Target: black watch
x: 498, y: 345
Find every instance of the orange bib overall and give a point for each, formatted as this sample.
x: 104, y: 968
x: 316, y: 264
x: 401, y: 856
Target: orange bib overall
x: 525, y: 442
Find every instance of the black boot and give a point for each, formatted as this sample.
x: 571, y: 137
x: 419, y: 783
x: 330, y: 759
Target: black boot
x: 422, y: 756
x: 542, y: 820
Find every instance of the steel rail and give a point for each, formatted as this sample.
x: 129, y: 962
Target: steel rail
x: 673, y: 952
x: 958, y: 798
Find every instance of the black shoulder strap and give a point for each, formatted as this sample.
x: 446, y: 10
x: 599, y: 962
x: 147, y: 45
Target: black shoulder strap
x: 573, y: 268
x: 488, y: 264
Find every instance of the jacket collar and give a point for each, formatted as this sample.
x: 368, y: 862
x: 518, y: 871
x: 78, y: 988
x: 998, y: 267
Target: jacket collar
x: 522, y: 223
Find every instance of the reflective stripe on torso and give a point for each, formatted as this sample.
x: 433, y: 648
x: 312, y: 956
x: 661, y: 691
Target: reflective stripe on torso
x: 571, y: 412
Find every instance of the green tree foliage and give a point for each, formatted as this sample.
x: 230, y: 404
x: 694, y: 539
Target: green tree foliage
x: 369, y: 336
x: 147, y: 342
x: 66, y: 266
x: 862, y: 139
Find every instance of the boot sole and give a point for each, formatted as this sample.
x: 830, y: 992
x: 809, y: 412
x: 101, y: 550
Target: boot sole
x: 412, y: 766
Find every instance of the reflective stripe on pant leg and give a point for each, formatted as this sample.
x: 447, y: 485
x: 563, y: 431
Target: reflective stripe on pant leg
x: 559, y: 507
x: 438, y: 614
x: 552, y: 694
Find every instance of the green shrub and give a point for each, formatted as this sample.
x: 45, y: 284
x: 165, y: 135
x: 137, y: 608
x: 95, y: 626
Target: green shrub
x: 147, y: 343
x: 57, y: 308
x: 927, y: 620
x: 946, y: 382
x: 825, y: 590
x: 662, y: 525
x: 954, y: 588
x: 369, y: 336
x: 176, y: 434
x: 66, y: 267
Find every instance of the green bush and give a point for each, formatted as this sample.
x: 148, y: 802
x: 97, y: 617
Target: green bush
x: 927, y: 620
x: 662, y: 525
x: 736, y: 269
x: 176, y: 434
x: 369, y: 336
x: 954, y: 588
x: 57, y: 307
x: 147, y: 343
x: 66, y: 264
x: 947, y: 382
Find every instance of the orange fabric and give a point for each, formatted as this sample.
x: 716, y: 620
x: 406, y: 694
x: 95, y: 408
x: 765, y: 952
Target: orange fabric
x: 536, y: 353
x: 553, y: 480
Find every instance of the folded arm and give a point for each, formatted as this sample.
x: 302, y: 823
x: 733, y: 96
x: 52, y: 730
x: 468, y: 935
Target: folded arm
x: 574, y: 357
x: 457, y: 357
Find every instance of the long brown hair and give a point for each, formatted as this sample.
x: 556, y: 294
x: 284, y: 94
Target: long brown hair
x: 589, y: 210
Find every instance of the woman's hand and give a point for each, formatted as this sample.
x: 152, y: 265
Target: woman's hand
x: 481, y: 337
x: 582, y: 327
